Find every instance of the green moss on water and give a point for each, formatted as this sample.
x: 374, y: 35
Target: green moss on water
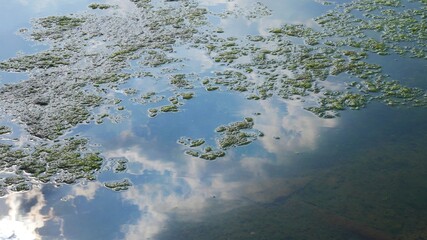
x: 61, y: 163
x: 187, y: 95
x: 110, y: 78
x: 192, y: 153
x: 169, y: 108
x: 62, y: 22
x: 124, y: 53
x: 211, y: 88
x: 121, y: 165
x: 212, y: 155
x: 99, y: 6
x: 180, y: 81
x: 43, y: 60
x: 235, y: 134
x: 5, y: 130
x: 118, y: 185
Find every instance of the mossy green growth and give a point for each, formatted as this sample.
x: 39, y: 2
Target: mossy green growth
x: 118, y: 185
x: 180, y: 81
x: 60, y: 163
x: 110, y: 78
x: 212, y: 155
x: 189, y: 142
x: 152, y: 112
x: 192, y: 153
x: 197, y: 142
x: 211, y: 88
x: 5, y: 130
x: 99, y: 6
x: 60, y: 21
x: 187, y: 95
x: 42, y: 60
x: 169, y: 108
x: 232, y: 135
x: 124, y: 53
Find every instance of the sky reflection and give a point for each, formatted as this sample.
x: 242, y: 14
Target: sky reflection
x: 172, y: 185
x: 24, y: 215
x: 168, y: 185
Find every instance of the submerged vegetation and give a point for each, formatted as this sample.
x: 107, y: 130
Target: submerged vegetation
x: 88, y: 54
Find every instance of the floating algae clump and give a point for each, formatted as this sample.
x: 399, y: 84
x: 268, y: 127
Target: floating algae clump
x: 99, y: 6
x: 236, y: 134
x: 62, y: 73
x: 5, y: 130
x: 60, y: 163
x: 298, y: 71
x: 118, y: 185
x: 232, y: 135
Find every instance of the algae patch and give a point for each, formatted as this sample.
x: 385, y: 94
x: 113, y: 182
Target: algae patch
x: 99, y: 6
x: 64, y: 162
x: 120, y: 185
x: 5, y: 130
x: 233, y: 135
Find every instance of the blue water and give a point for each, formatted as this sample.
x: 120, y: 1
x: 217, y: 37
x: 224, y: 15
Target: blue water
x: 359, y: 176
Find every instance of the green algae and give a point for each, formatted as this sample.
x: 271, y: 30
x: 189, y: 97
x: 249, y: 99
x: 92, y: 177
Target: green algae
x: 180, y: 81
x: 212, y: 155
x: 118, y: 185
x: 43, y: 60
x: 61, y: 163
x: 192, y: 153
x: 148, y: 97
x: 169, y: 108
x: 191, y: 142
x: 236, y: 134
x: 152, y: 112
x: 233, y: 135
x: 324, y: 53
x: 99, y: 6
x: 121, y: 165
x: 5, y: 130
x: 187, y: 95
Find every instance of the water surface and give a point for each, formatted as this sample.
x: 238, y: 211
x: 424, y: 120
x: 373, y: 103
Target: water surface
x: 359, y: 176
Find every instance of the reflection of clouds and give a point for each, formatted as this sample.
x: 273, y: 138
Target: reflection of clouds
x: 298, y: 129
x: 19, y: 225
x: 39, y: 5
x: 287, y: 11
x: 188, y: 188
x: 254, y: 165
x: 143, y: 163
x: 87, y: 190
x: 182, y: 188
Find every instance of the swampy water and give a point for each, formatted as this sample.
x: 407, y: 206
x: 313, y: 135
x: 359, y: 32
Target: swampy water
x: 183, y: 158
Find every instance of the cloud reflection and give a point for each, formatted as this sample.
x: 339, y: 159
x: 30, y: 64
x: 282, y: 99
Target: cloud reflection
x: 188, y: 188
x: 298, y: 129
x: 20, y: 224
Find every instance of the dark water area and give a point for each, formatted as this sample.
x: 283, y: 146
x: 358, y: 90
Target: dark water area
x: 362, y: 175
